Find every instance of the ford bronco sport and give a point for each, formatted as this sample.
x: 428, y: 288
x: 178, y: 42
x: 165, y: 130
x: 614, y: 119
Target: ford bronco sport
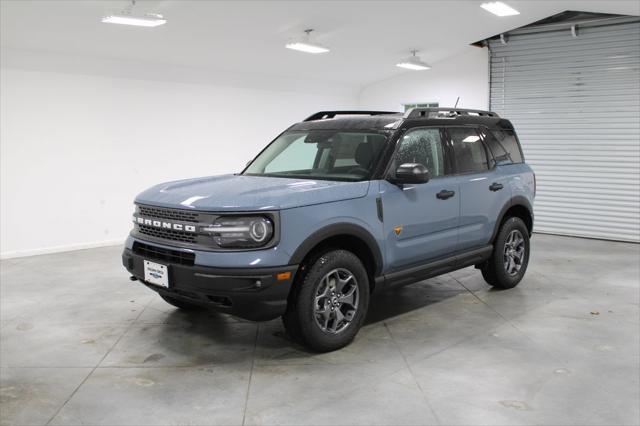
x: 338, y: 206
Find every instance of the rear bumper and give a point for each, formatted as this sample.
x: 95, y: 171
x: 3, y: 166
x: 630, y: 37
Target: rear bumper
x: 250, y: 293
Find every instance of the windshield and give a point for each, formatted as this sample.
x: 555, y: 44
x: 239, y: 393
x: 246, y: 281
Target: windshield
x: 320, y: 154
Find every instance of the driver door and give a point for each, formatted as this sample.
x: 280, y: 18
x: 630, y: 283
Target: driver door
x: 421, y: 220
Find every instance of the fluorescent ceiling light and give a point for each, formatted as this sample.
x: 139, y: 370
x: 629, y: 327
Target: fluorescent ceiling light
x: 471, y: 138
x: 413, y: 62
x: 126, y: 17
x: 500, y: 9
x: 305, y: 44
x: 149, y: 20
x: 412, y: 66
x: 306, y: 47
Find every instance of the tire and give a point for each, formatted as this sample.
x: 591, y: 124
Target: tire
x: 512, y: 239
x: 316, y: 314
x: 180, y: 304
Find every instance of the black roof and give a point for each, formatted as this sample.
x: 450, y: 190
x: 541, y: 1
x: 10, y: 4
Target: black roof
x: 360, y: 122
x: 384, y: 120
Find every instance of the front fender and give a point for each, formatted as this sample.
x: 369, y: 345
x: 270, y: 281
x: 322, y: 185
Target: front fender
x: 336, y: 229
x: 304, y: 227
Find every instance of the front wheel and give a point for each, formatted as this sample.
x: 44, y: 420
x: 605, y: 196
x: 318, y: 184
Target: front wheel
x: 510, y: 257
x: 329, y: 304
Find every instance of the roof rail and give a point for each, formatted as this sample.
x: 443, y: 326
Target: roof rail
x: 447, y: 112
x: 331, y: 114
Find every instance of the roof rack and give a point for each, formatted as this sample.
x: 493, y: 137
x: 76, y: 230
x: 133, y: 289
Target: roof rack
x: 447, y: 112
x: 331, y: 114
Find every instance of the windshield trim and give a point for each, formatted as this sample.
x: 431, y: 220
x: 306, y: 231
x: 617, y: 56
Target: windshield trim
x: 307, y: 177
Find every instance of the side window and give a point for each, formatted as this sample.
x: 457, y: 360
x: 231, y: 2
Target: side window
x: 469, y: 150
x: 422, y: 146
x: 504, y: 147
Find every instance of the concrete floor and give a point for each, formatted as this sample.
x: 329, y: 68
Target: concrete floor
x: 81, y: 344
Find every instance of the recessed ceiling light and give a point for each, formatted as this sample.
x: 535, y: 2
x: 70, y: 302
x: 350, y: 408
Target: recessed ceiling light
x: 499, y: 8
x: 413, y: 62
x: 140, y: 21
x: 126, y: 17
x: 305, y: 44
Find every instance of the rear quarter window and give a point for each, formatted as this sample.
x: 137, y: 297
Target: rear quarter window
x: 504, y: 147
x: 470, y: 153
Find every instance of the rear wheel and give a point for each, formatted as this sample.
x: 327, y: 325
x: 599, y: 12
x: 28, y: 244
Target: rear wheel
x: 181, y: 304
x: 329, y: 303
x: 510, y: 257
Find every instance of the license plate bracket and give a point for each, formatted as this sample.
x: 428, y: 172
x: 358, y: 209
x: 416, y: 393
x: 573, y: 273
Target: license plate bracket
x: 156, y: 273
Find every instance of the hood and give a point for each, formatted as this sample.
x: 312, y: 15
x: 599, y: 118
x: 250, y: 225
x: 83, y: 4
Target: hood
x: 244, y: 193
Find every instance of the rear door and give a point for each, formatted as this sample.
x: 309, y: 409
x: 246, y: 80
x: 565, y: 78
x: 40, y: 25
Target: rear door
x: 421, y: 220
x: 484, y: 188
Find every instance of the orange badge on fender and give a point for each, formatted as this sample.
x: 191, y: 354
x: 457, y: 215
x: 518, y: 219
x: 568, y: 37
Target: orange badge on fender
x: 397, y: 229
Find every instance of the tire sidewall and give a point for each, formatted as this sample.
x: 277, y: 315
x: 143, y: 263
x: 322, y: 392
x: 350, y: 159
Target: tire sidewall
x: 506, y: 280
x: 311, y: 333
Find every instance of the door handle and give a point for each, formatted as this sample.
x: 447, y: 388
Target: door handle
x: 495, y: 186
x: 444, y: 194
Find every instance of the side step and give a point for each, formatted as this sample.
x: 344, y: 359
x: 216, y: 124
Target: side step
x: 435, y: 268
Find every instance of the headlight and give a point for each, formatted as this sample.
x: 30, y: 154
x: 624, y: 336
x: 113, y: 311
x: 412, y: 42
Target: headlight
x: 241, y: 231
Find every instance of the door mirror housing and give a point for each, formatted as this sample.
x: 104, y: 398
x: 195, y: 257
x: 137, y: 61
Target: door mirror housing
x: 410, y: 173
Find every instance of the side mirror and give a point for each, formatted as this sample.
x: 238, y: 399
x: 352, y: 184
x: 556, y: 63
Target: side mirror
x: 410, y: 173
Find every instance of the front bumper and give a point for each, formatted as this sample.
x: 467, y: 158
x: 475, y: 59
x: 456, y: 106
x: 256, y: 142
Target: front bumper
x: 251, y: 293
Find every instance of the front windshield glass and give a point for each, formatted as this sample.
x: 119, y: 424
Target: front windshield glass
x: 320, y: 154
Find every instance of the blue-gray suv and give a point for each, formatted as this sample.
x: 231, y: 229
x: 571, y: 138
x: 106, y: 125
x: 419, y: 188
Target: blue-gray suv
x: 338, y: 206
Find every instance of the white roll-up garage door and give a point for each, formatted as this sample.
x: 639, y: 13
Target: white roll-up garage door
x: 575, y: 103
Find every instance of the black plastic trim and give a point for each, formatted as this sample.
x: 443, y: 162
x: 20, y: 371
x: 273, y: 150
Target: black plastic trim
x: 380, y: 209
x: 336, y: 230
x: 250, y: 293
x: 518, y: 200
x: 331, y: 114
x: 437, y: 267
x: 453, y: 112
x: 162, y: 254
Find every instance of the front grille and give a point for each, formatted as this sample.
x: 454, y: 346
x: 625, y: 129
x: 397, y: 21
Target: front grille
x: 183, y: 228
x: 163, y: 255
x: 170, y: 214
x: 168, y: 234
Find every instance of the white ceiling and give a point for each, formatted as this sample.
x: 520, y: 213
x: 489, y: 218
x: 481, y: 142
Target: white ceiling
x: 245, y: 39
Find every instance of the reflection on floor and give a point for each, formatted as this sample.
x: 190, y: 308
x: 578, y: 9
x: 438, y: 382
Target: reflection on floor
x: 81, y: 344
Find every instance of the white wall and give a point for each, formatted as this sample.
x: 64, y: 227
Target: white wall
x: 76, y: 149
x: 465, y: 75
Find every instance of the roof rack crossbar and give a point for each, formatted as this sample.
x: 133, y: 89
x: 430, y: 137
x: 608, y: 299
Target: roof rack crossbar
x: 331, y: 114
x: 449, y: 112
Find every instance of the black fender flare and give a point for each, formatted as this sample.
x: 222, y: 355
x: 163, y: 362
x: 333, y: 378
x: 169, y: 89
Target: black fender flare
x: 338, y: 229
x: 518, y: 200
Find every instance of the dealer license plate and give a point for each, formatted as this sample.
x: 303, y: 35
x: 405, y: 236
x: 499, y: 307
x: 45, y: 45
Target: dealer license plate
x: 155, y: 273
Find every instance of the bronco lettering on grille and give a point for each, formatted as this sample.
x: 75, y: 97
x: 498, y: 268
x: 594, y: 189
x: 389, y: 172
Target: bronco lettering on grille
x: 164, y: 224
